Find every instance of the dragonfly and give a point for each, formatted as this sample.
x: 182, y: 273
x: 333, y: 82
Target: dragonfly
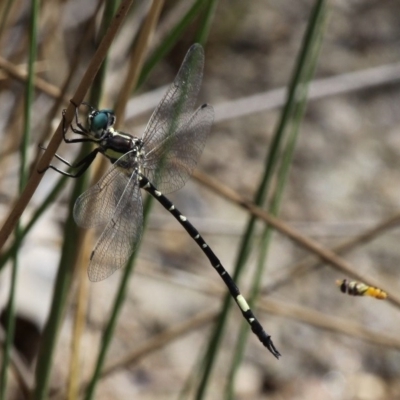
x: 161, y: 161
x: 354, y: 288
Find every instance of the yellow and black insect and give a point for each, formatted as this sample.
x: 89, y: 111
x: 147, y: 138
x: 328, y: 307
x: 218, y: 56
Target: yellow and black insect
x: 354, y: 288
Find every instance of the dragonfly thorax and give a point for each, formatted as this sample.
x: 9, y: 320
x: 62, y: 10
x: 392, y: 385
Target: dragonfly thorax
x: 115, y: 144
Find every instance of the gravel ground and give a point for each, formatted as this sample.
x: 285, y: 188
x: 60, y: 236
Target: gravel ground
x: 344, y: 180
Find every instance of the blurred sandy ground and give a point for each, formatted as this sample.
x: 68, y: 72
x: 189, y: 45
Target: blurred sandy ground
x: 345, y: 178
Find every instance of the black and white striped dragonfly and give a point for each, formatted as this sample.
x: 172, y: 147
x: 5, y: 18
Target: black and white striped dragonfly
x: 161, y: 161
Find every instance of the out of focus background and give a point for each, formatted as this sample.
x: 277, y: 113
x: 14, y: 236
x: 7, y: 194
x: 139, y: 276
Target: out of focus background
x: 342, y: 188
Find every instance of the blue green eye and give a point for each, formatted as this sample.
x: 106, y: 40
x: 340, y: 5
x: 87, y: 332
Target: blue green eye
x: 100, y: 121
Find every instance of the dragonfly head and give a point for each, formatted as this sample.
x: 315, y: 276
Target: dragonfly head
x: 100, y: 122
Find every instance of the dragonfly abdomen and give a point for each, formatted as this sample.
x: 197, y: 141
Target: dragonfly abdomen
x: 255, y: 325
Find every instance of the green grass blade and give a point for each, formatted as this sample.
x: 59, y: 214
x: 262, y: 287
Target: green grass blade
x: 205, y: 27
x: 118, y: 303
x: 23, y: 177
x: 38, y: 213
x: 245, y: 248
x: 6, y: 12
x: 61, y: 290
x: 311, y: 46
x: 110, y: 8
x: 121, y: 293
x: 62, y: 285
x: 69, y: 252
x: 170, y: 40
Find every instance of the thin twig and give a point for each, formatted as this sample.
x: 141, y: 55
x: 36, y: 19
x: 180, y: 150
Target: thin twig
x: 75, y: 369
x: 69, y: 115
x: 22, y: 373
x: 311, y: 245
x: 272, y: 99
x: 200, y: 320
x: 302, y: 314
x: 310, y: 263
x: 319, y: 88
x: 21, y: 75
x: 334, y: 324
x: 74, y: 65
x: 138, y: 57
x: 269, y: 100
x: 159, y: 341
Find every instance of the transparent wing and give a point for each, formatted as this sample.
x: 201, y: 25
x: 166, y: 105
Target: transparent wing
x: 96, y: 206
x: 120, y: 237
x: 179, y: 152
x: 114, y: 203
x: 176, y: 108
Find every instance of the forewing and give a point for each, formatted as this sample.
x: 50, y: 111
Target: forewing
x: 179, y: 152
x: 121, y: 235
x: 96, y: 206
x: 177, y: 105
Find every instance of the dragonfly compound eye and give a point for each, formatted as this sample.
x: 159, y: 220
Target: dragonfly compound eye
x: 101, y: 121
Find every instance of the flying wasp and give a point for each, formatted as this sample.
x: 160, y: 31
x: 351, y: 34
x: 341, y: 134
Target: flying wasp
x: 354, y: 288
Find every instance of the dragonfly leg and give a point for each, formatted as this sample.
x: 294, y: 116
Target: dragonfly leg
x: 83, y: 164
x: 81, y: 131
x: 88, y: 105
